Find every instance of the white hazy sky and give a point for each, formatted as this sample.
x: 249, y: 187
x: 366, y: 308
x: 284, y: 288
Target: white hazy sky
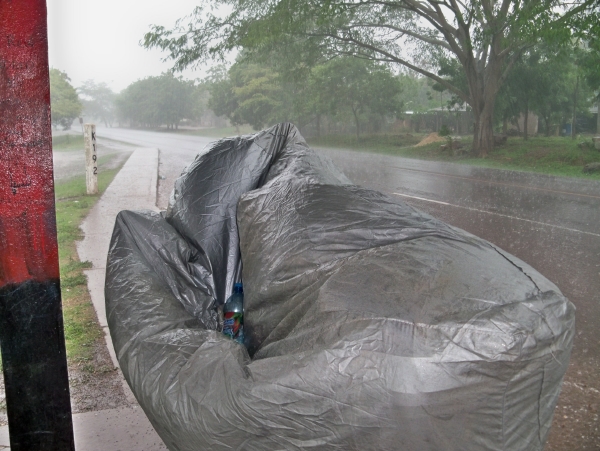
x: 99, y: 40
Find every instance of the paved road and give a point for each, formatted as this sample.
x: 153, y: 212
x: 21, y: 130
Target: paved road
x: 176, y: 151
x: 551, y: 223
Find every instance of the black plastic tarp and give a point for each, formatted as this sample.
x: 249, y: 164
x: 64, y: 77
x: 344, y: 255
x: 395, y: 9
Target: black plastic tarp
x: 370, y: 325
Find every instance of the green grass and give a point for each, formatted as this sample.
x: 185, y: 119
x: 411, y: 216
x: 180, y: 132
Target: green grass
x: 549, y: 155
x: 82, y: 331
x: 67, y: 142
x: 384, y: 143
x: 75, y: 186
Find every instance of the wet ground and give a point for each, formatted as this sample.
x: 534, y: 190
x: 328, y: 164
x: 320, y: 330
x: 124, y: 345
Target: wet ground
x: 176, y: 151
x: 71, y: 163
x: 552, y: 223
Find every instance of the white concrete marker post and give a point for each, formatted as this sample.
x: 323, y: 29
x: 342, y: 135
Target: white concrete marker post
x: 91, y: 158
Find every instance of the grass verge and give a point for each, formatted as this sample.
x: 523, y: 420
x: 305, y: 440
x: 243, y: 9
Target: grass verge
x: 388, y: 144
x: 82, y: 330
x: 67, y: 142
x: 549, y: 155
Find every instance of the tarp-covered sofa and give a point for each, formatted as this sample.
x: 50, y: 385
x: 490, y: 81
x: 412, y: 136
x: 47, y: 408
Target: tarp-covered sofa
x: 369, y: 324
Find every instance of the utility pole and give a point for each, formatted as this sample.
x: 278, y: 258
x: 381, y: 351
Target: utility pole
x: 31, y: 326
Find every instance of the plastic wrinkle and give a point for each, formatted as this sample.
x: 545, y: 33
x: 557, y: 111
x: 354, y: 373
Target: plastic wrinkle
x: 370, y: 325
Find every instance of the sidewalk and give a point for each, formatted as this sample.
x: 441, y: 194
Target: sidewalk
x: 124, y: 428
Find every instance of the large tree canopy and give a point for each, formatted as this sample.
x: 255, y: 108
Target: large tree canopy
x: 257, y: 95
x: 485, y: 37
x: 154, y: 101
x: 540, y: 82
x: 358, y: 86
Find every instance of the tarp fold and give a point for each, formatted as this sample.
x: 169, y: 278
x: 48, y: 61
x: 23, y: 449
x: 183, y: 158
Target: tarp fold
x: 370, y: 325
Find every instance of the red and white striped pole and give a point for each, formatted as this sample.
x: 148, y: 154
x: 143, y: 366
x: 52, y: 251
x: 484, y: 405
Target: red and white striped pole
x: 31, y: 324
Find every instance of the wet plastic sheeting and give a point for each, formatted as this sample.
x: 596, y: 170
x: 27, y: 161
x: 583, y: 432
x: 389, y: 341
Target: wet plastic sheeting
x: 371, y: 325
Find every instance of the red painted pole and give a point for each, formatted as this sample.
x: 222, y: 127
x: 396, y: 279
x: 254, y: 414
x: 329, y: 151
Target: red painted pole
x: 31, y: 326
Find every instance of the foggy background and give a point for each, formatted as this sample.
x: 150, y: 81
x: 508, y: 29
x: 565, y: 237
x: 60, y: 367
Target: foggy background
x: 99, y: 40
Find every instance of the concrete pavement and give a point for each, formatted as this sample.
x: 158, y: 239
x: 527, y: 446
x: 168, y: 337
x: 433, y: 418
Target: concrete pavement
x: 124, y: 428
x: 133, y: 188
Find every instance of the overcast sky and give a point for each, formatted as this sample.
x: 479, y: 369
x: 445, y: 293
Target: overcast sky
x: 99, y: 40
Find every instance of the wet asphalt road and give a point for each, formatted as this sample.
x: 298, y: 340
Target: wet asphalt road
x: 176, y: 151
x: 552, y: 223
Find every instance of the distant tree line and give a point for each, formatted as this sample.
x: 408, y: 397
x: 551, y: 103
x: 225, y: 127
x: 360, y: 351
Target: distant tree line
x: 557, y: 83
x: 345, y: 89
x: 480, y: 40
x: 163, y: 100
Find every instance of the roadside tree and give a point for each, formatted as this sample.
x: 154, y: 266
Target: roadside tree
x: 136, y: 105
x: 589, y: 64
x: 367, y: 90
x: 530, y: 88
x: 257, y: 95
x: 156, y: 101
x: 98, y: 101
x: 588, y: 31
x: 552, y: 100
x: 485, y: 37
x: 64, y: 101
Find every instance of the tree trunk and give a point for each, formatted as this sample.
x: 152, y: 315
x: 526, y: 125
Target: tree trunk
x: 483, y: 138
x: 483, y: 89
x: 574, y: 120
x: 483, y: 130
x: 526, y: 121
x: 598, y: 117
x: 357, y: 123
